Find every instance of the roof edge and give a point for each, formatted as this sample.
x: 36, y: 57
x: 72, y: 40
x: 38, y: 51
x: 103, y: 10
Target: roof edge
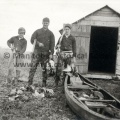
x: 93, y: 13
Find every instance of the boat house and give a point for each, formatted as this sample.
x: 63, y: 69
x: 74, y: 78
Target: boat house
x: 98, y: 43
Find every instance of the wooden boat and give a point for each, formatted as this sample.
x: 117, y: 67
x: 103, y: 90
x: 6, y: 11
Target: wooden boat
x: 103, y: 107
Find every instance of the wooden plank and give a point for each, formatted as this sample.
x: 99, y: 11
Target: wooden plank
x: 82, y: 69
x: 118, y: 63
x: 102, y: 76
x: 104, y: 14
x: 79, y: 28
x: 82, y: 54
x: 80, y: 87
x: 118, y: 57
x: 84, y: 28
x: 74, y: 27
x: 87, y: 46
x: 118, y: 70
x: 103, y: 18
x: 82, y: 42
x: 108, y: 13
x: 99, y: 23
x: 80, y: 102
x: 80, y: 34
x: 99, y: 100
x: 85, y: 69
x: 106, y: 10
x: 78, y: 44
x: 88, y: 28
x: 87, y: 43
x: 95, y: 104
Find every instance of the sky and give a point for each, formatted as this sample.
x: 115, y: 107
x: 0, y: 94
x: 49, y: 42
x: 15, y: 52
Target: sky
x: 29, y: 14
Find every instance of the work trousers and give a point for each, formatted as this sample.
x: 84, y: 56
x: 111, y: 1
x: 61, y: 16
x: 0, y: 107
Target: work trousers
x: 63, y: 59
x: 38, y: 59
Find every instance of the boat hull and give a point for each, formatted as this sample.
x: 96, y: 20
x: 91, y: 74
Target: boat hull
x: 82, y: 111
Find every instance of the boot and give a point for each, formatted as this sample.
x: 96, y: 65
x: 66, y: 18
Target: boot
x: 68, y: 69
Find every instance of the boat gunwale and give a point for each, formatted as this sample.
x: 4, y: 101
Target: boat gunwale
x: 101, y: 89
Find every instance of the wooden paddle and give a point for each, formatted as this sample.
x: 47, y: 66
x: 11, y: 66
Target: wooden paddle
x: 58, y: 46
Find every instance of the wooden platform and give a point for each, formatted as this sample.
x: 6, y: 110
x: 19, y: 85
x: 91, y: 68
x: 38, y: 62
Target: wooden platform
x: 108, y: 77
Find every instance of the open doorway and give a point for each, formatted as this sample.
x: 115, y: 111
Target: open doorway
x: 103, y: 49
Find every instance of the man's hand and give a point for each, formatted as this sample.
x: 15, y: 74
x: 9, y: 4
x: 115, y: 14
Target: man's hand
x: 12, y: 47
x: 58, y: 46
x: 40, y: 44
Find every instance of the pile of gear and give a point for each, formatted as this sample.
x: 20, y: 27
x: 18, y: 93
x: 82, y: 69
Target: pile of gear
x: 24, y: 95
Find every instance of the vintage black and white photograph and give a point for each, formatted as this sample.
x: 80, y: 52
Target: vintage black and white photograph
x: 59, y: 60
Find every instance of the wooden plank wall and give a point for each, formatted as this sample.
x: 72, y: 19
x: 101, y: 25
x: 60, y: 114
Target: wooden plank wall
x: 82, y: 36
x: 118, y: 56
x: 104, y: 17
x: 81, y: 30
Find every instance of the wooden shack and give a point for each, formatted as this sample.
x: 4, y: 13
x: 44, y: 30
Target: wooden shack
x: 97, y: 39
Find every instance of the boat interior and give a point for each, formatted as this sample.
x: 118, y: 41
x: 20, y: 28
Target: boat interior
x: 93, y: 97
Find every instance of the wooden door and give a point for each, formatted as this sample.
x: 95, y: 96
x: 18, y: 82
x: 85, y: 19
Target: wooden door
x: 82, y: 36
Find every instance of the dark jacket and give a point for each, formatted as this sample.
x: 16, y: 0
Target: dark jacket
x: 68, y: 44
x: 20, y: 45
x: 45, y: 37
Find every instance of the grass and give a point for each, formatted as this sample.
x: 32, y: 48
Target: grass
x: 41, y: 109
x: 35, y: 109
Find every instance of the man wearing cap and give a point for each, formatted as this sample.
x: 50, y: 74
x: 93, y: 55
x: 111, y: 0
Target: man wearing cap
x: 17, y: 43
x: 44, y: 50
x: 67, y: 46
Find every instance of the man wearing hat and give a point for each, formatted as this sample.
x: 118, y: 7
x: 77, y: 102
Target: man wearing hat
x: 18, y: 44
x: 44, y: 50
x: 67, y: 46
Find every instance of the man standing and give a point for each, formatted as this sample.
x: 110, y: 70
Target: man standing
x: 18, y: 44
x: 44, y: 50
x: 67, y: 53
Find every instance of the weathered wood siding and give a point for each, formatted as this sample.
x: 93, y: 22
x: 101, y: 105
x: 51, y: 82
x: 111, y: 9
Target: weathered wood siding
x: 118, y: 56
x: 82, y: 36
x: 82, y: 29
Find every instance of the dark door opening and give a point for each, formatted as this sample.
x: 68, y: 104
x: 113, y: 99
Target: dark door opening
x: 103, y: 49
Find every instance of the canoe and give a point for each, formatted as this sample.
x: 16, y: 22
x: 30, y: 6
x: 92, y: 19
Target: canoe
x: 80, y: 96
